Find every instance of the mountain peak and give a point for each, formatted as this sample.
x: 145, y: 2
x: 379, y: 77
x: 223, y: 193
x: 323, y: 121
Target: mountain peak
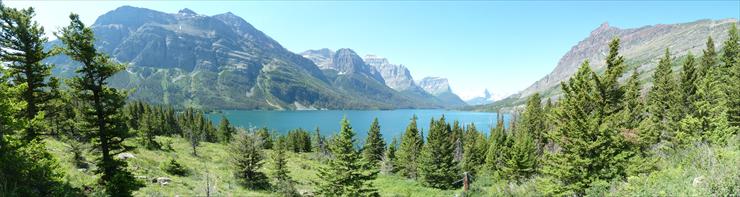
x: 602, y: 28
x: 186, y: 11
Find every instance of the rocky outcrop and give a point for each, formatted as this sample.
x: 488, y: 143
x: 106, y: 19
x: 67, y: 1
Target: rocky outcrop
x: 440, y: 88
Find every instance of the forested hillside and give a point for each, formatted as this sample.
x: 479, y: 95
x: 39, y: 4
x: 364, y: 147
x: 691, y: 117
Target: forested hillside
x: 603, y: 137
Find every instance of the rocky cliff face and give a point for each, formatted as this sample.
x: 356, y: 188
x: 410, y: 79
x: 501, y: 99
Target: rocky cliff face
x: 487, y: 98
x: 640, y: 46
x: 440, y: 88
x: 396, y: 76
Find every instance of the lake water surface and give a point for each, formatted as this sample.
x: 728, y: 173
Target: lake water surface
x: 392, y: 122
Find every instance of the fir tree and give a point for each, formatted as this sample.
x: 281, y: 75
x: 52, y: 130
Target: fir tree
x: 347, y: 173
x: 283, y: 183
x: 408, y: 151
x: 225, y: 130
x: 247, y: 160
x: 730, y: 70
x: 688, y: 82
x: 662, y: 112
x: 437, y: 167
x: 497, y: 148
x: 102, y: 109
x: 533, y: 121
x: 22, y: 41
x: 521, y: 161
x: 389, y: 158
x: 374, y: 144
x: 587, y: 139
x: 475, y: 150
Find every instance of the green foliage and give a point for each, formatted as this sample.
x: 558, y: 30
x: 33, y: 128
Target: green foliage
x: 346, y: 173
x: 730, y: 72
x: 437, y: 167
x: 101, y: 107
x: 587, y: 137
x: 174, y: 168
x: 247, y: 159
x: 299, y: 140
x: 284, y: 184
x: 533, y: 121
x: 389, y: 163
x: 225, y: 131
x: 374, y: 144
x: 22, y: 41
x: 408, y: 151
x: 660, y: 124
x: 633, y: 107
x: 521, y: 161
x: 474, y: 150
x: 266, y: 138
x: 498, y: 147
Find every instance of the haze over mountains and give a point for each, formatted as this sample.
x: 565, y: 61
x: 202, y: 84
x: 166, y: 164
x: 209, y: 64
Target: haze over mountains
x: 223, y: 62
x: 641, y: 47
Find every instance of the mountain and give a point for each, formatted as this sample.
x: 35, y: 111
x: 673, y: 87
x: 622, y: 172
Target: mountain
x: 223, y: 62
x: 641, y: 47
x: 399, y: 78
x: 440, y: 88
x: 487, y: 98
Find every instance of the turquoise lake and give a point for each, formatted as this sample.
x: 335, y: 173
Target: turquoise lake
x: 392, y: 122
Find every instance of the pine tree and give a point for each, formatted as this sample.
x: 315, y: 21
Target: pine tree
x: 347, y: 173
x: 374, y: 144
x: 688, y: 82
x: 408, y: 151
x: 475, y: 150
x: 632, y: 113
x: 102, y: 109
x: 389, y: 158
x: 247, y: 160
x: 730, y: 69
x: 225, y: 131
x: 497, y: 149
x: 22, y: 41
x: 437, y: 166
x: 533, y: 121
x: 264, y: 135
x: 521, y: 161
x: 662, y: 111
x: 608, y: 83
x: 320, y: 147
x: 456, y: 137
x: 283, y: 183
x: 708, y: 60
x: 587, y: 139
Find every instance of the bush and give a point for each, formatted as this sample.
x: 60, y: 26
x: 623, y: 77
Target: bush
x: 174, y: 168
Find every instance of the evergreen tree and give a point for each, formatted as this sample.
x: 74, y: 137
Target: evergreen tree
x: 247, y: 160
x: 497, y: 149
x: 225, y: 130
x: 662, y: 112
x: 266, y: 138
x: 688, y: 82
x: 389, y: 161
x: 437, y: 167
x: 284, y: 185
x: 456, y: 137
x: 608, y: 84
x: 102, y: 109
x: 475, y: 150
x: 346, y: 173
x: 22, y: 41
x: 320, y: 147
x: 408, y: 151
x: 521, y: 161
x: 533, y: 121
x: 374, y: 144
x: 708, y: 59
x: 730, y: 70
x: 633, y: 110
x: 587, y: 138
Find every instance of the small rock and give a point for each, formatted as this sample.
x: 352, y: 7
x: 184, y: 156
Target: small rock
x: 698, y: 181
x: 124, y: 156
x: 162, y: 180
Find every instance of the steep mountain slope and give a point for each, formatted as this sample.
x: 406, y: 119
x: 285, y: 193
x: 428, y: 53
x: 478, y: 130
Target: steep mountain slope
x: 440, y: 88
x: 641, y: 47
x: 399, y: 78
x: 348, y: 72
x: 223, y: 62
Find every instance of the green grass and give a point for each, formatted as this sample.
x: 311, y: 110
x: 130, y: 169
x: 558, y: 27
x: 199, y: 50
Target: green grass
x: 213, y: 161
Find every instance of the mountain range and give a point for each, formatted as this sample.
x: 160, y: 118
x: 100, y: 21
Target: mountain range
x: 223, y: 62
x: 641, y: 48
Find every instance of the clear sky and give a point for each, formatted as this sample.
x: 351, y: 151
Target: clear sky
x: 501, y: 45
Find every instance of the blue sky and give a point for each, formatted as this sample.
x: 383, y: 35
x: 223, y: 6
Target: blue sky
x: 501, y: 45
